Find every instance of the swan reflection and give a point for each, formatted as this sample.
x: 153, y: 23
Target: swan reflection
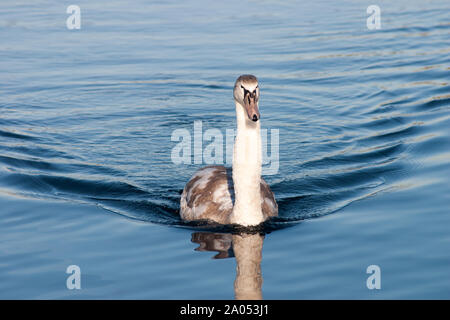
x: 247, y: 249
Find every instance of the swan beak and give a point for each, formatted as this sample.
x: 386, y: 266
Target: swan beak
x: 251, y: 106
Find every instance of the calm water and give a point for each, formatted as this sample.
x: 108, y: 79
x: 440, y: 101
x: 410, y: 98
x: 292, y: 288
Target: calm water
x: 86, y: 177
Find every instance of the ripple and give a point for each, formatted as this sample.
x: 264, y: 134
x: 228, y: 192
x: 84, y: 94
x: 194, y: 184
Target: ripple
x: 20, y: 136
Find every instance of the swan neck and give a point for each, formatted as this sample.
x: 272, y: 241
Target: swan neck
x: 247, y: 160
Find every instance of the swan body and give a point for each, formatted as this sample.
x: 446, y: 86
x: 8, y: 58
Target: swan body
x: 238, y: 195
x: 209, y: 195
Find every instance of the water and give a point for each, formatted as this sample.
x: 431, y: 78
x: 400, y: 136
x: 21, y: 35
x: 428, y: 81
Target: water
x: 86, y: 176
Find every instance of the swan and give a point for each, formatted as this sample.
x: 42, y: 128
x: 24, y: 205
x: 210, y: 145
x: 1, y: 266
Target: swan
x: 238, y: 196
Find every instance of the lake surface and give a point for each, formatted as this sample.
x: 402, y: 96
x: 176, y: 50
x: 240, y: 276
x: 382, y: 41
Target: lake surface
x: 87, y: 176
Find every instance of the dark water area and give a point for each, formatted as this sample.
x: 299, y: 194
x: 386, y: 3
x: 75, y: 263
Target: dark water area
x: 87, y: 175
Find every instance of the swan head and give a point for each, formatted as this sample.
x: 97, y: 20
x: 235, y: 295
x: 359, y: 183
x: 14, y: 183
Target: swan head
x: 246, y: 93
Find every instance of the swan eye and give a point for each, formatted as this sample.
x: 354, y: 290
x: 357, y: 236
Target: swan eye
x: 245, y: 90
x: 254, y: 92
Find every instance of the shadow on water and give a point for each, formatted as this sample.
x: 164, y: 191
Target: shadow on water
x: 246, y: 248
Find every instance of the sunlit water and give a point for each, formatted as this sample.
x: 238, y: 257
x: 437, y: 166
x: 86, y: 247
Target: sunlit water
x: 86, y: 175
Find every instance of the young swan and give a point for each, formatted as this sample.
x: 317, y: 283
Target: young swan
x: 241, y: 196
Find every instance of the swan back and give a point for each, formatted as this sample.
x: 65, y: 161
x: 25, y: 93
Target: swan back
x: 209, y: 195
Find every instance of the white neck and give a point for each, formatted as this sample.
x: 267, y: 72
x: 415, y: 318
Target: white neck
x: 247, y: 158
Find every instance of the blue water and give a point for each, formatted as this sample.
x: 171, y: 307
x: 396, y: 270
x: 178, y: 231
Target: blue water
x: 87, y: 178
